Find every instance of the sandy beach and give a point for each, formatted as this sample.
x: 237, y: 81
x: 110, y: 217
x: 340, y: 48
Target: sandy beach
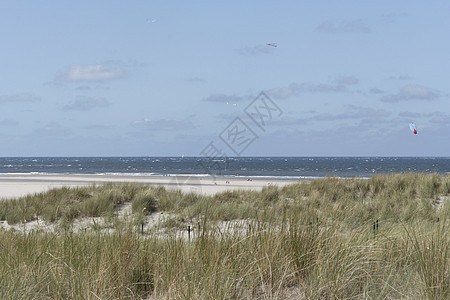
x: 18, y: 185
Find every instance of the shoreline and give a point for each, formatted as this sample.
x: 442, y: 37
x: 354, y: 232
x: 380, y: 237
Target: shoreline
x: 15, y: 185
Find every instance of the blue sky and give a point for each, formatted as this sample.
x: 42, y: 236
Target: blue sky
x: 168, y: 78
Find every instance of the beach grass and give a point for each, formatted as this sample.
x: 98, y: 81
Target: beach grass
x: 386, y: 237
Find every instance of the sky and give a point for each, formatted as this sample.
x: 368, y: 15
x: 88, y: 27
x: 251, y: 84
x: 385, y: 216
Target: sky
x: 197, y: 78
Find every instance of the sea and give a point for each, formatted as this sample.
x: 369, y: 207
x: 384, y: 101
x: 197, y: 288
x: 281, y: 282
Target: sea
x: 285, y: 168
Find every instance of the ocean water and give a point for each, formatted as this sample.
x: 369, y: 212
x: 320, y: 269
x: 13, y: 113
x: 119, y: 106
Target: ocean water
x: 286, y: 167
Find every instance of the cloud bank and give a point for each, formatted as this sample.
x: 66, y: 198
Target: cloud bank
x: 163, y: 124
x: 82, y: 103
x: 223, y: 98
x: 412, y: 92
x: 96, y: 72
x: 294, y: 89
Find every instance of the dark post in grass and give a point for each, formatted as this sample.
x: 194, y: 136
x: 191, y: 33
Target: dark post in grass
x: 189, y: 232
x: 142, y: 223
x: 375, y: 228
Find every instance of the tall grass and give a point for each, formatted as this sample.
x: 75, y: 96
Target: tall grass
x: 431, y: 251
x: 313, y: 240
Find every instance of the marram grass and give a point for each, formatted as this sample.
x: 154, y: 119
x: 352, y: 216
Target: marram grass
x: 382, y: 238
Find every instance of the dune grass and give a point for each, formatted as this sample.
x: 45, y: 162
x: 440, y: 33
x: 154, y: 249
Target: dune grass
x: 382, y: 238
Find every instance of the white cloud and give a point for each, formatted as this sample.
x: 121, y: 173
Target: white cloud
x: 436, y: 117
x: 294, y: 89
x: 406, y: 115
x: 255, y: 50
x: 222, y: 98
x: 290, y: 121
x: 91, y: 88
x: 321, y: 88
x: 97, y: 72
x: 400, y: 77
x: 366, y: 114
x: 284, y: 92
x: 86, y: 103
x: 18, y: 98
x: 344, y: 26
x: 163, y: 124
x: 337, y: 85
x: 412, y: 92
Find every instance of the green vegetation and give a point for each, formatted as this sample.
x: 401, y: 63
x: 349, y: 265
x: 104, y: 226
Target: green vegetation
x: 387, y: 237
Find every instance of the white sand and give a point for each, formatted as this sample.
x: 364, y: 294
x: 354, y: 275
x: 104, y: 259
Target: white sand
x: 18, y: 185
